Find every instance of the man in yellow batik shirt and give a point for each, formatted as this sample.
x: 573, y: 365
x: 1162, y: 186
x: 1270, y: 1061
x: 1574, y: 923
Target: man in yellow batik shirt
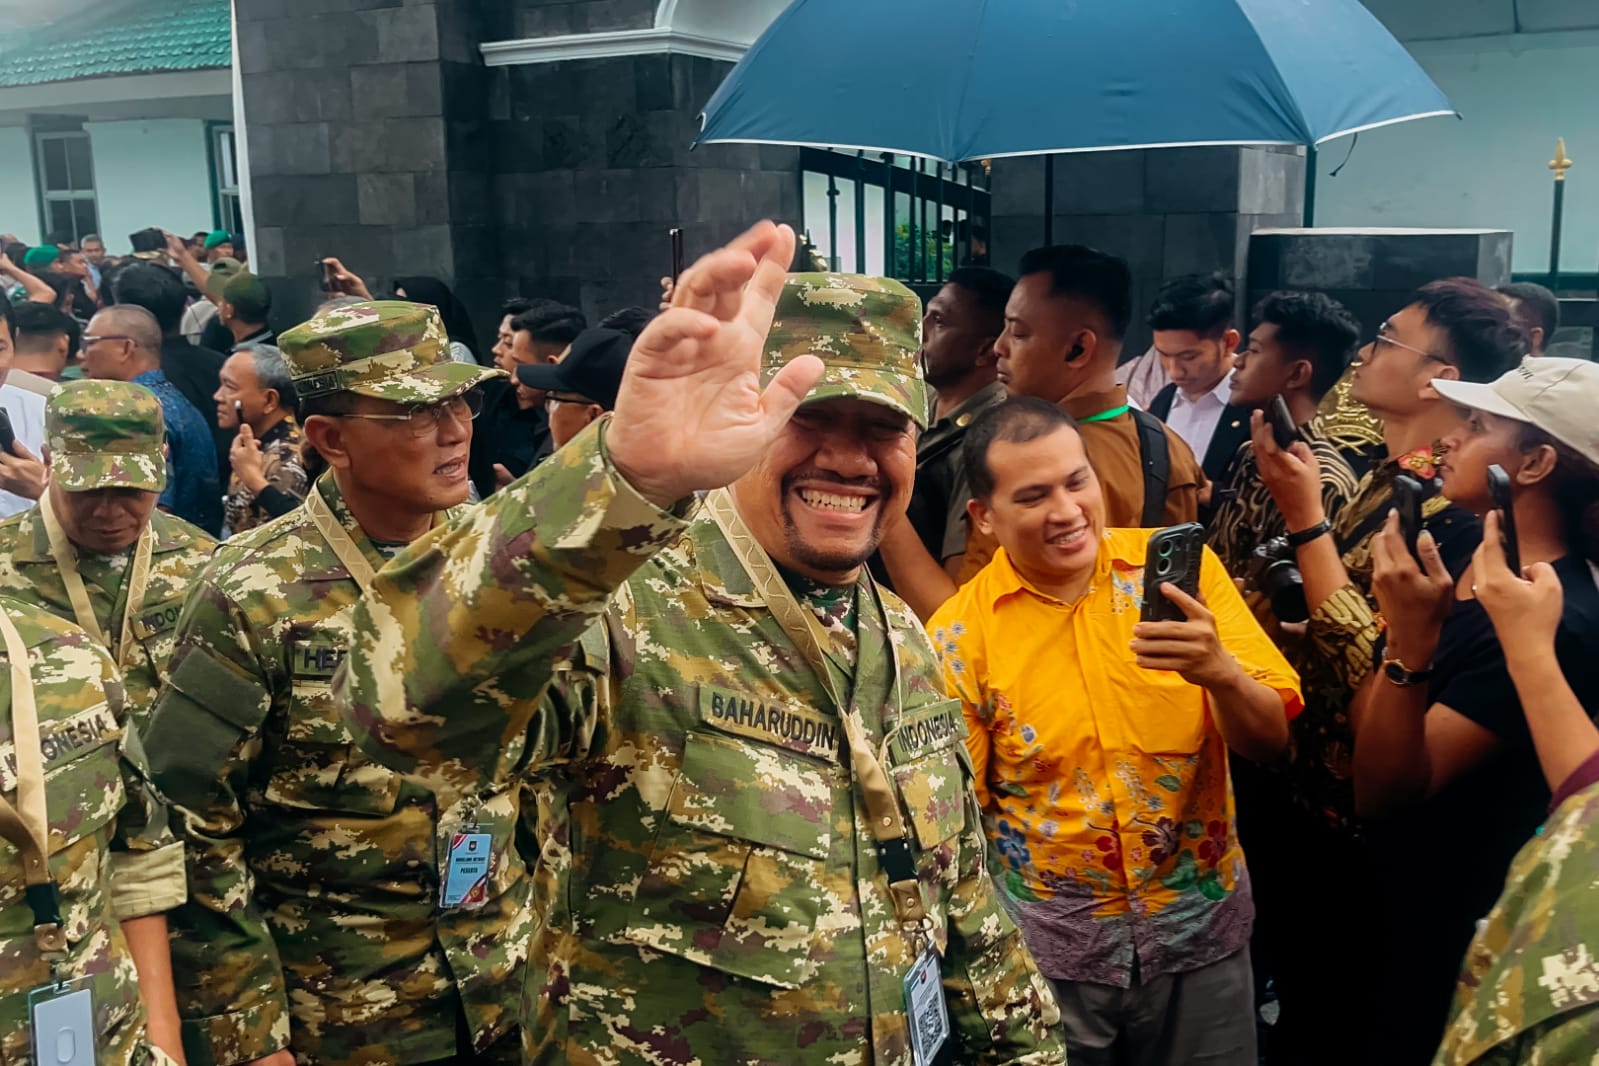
x: 1100, y: 748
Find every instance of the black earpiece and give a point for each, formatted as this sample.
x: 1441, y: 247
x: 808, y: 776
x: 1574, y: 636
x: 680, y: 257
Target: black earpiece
x: 1075, y: 354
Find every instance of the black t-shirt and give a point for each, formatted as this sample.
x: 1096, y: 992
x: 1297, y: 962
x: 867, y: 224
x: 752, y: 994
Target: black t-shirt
x: 1443, y: 863
x: 506, y: 433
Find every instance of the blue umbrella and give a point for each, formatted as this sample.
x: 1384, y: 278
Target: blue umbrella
x: 957, y: 80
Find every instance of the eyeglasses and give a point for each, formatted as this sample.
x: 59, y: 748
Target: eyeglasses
x: 425, y: 418
x: 95, y: 338
x: 1385, y: 336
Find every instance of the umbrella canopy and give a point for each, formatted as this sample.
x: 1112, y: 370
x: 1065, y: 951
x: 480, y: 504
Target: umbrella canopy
x: 959, y: 80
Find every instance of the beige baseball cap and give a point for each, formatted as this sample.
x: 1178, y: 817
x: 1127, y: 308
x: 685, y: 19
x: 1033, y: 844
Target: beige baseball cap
x: 1556, y: 395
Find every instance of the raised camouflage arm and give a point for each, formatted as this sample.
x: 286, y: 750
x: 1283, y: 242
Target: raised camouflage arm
x: 452, y: 647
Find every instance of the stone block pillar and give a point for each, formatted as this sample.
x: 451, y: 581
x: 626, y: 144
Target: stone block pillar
x: 1167, y: 211
x: 1373, y: 271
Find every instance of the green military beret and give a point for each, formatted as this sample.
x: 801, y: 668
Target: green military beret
x: 105, y: 435
x: 388, y: 349
x: 868, y: 332
x: 216, y: 237
x: 43, y: 256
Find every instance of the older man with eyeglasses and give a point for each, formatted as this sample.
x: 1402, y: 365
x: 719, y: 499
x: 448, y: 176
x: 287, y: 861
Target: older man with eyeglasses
x: 307, y: 932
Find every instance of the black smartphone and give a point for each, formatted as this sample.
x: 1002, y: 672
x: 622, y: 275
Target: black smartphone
x: 148, y: 240
x: 8, y: 436
x: 1173, y: 557
x: 677, y: 254
x: 329, y: 281
x: 1499, y: 491
x: 238, y: 411
x: 1407, y: 500
x: 1282, y: 422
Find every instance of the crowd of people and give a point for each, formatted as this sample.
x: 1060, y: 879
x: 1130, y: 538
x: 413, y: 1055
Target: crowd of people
x: 793, y: 672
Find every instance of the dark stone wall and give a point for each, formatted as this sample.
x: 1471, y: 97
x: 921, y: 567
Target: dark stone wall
x: 1167, y: 211
x: 557, y: 18
x: 594, y: 166
x: 1373, y: 272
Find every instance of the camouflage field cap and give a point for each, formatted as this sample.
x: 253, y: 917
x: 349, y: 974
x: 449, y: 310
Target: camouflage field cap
x: 867, y: 330
x: 387, y: 349
x: 105, y: 435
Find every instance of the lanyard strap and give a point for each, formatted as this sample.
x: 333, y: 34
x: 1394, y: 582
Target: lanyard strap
x: 802, y: 627
x: 66, y: 558
x: 1106, y: 416
x: 27, y: 825
x: 339, y: 539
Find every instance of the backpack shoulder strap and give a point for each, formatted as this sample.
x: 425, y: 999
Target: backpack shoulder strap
x: 1156, y: 452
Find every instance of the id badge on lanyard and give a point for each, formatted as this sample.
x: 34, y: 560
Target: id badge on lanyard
x: 926, y: 1012
x: 61, y: 1019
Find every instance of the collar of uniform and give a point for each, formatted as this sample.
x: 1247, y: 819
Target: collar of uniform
x: 1095, y: 403
x: 721, y: 576
x: 968, y: 409
x: 335, y: 500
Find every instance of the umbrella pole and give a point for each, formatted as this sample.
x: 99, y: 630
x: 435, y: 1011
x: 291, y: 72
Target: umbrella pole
x: 1310, y: 186
x: 1049, y: 200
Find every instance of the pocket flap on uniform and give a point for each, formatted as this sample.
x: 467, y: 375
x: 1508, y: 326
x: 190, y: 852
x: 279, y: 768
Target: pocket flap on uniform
x: 928, y: 768
x: 201, y: 715
x: 754, y: 792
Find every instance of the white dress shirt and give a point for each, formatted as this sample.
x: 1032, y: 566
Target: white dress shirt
x: 1196, y: 421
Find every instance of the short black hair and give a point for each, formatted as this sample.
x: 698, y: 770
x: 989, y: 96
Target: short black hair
x: 1087, y: 274
x: 551, y: 323
x: 154, y: 288
x: 8, y: 316
x: 1534, y: 306
x: 16, y: 251
x: 1315, y: 327
x: 630, y: 320
x: 516, y: 305
x: 1016, y: 421
x: 991, y: 287
x: 43, y: 322
x: 1484, y: 339
x: 1203, y: 303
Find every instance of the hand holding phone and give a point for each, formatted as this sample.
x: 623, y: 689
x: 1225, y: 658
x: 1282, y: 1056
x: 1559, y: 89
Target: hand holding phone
x: 1281, y: 420
x: 8, y: 436
x: 1407, y: 501
x: 677, y: 254
x: 1173, y: 557
x: 1499, y: 490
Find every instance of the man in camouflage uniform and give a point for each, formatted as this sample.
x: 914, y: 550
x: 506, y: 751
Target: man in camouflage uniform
x: 711, y: 887
x: 314, y: 922
x: 1530, y: 992
x: 115, y: 863
x: 107, y: 536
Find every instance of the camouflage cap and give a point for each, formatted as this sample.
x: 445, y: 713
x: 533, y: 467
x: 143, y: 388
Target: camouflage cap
x: 105, y: 435
x: 868, y: 331
x: 387, y: 349
x: 222, y: 272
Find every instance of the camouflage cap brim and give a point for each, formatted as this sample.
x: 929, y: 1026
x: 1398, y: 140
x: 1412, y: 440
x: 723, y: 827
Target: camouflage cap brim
x: 907, y: 395
x: 79, y: 472
x: 428, y: 384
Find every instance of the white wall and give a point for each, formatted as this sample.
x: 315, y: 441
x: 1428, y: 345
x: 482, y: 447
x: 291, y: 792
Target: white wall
x: 1516, y: 95
x: 150, y: 172
x: 19, y: 188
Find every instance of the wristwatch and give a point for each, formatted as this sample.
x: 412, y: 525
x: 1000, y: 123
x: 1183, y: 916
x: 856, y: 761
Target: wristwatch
x: 1305, y: 536
x: 1397, y: 674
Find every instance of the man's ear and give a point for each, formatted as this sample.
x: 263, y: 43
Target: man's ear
x: 977, y: 512
x: 1301, y: 375
x: 986, y: 356
x: 1448, y: 373
x: 1230, y: 341
x: 326, y: 435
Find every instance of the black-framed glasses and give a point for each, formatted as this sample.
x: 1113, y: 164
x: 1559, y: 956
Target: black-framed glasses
x: 425, y: 418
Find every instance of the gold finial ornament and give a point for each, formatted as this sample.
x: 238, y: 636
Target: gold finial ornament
x: 1561, y: 162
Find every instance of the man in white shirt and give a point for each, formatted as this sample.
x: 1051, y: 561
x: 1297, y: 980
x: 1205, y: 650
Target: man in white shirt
x: 1195, y: 338
x: 22, y: 473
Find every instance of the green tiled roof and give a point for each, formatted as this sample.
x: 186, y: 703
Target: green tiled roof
x: 135, y: 37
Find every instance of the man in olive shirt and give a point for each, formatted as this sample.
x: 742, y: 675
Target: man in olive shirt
x: 923, y: 554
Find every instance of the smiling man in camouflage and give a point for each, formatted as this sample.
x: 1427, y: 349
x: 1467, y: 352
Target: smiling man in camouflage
x: 316, y: 924
x: 94, y: 550
x: 758, y: 842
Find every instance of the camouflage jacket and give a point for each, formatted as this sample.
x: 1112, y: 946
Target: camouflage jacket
x: 707, y: 881
x: 111, y: 851
x: 313, y: 919
x: 1530, y: 990
x: 29, y: 572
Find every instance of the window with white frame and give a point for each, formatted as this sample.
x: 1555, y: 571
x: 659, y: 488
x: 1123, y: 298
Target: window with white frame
x: 224, y: 153
x: 66, y: 183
